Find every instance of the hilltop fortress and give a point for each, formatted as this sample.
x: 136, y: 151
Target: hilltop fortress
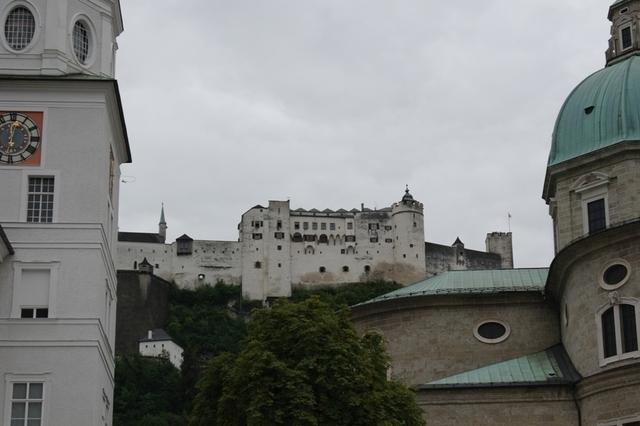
x: 278, y: 248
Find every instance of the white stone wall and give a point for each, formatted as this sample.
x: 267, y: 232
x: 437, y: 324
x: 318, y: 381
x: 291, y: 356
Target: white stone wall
x: 157, y: 348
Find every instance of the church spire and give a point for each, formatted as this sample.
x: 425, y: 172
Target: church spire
x: 162, y: 226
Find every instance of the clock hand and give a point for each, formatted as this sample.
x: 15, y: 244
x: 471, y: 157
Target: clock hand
x: 13, y: 128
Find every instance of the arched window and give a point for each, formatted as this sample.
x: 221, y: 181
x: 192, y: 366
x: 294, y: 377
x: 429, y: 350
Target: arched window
x: 323, y: 239
x: 618, y: 330
x: 297, y: 237
x: 309, y: 250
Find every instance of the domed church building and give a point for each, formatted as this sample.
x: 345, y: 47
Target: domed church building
x: 548, y: 346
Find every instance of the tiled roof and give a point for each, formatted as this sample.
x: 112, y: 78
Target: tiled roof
x: 473, y: 282
x: 140, y: 237
x: 550, y: 367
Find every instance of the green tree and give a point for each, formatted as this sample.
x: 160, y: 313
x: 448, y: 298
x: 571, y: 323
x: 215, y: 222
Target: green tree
x: 147, y: 392
x: 304, y: 364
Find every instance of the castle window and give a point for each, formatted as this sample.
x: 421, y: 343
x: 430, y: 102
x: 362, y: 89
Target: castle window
x: 297, y: 237
x: 618, y: 331
x: 279, y: 235
x: 332, y: 226
x: 27, y: 400
x: 388, y: 240
x: 349, y: 225
x: 279, y: 265
x: 596, y: 215
x: 305, y: 225
x: 40, y: 199
x: 257, y: 236
x: 309, y: 237
x: 492, y: 331
x: 323, y: 239
x: 367, y: 269
x: 374, y: 226
x: 19, y: 28
x: 279, y: 224
x: 345, y: 269
x: 615, y: 274
x: 349, y: 238
x: 257, y: 265
x: 296, y: 225
x: 322, y: 269
x: 309, y: 250
x: 342, y: 251
x: 626, y: 39
x: 279, y: 248
x: 323, y: 226
x: 388, y: 228
x: 373, y: 239
x: 314, y: 226
x: 81, y: 38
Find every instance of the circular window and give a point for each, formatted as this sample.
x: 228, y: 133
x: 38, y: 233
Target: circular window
x: 615, y: 274
x: 19, y: 28
x: 492, y: 331
x: 81, y: 41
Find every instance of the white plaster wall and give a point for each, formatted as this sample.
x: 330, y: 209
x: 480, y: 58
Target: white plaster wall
x: 156, y: 348
x: 50, y: 53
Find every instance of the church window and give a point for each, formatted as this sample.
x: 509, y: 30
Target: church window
x: 615, y: 274
x: 492, y: 331
x: 626, y: 41
x: 27, y: 399
x: 19, y: 28
x: 618, y: 331
x: 40, y: 199
x: 596, y: 214
x: 81, y: 41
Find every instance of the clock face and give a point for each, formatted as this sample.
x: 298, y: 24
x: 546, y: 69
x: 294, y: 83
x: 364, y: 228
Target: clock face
x: 20, y: 137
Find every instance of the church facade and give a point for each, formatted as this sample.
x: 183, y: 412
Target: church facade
x: 279, y: 247
x: 556, y: 345
x: 62, y: 139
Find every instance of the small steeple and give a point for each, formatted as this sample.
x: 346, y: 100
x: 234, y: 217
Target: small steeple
x: 624, y: 41
x: 162, y: 226
x: 407, y: 195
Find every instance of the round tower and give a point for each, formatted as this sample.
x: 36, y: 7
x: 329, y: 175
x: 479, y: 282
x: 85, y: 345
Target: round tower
x: 408, y: 247
x: 591, y: 186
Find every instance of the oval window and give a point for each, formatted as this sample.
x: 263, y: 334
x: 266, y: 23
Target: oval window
x: 615, y: 274
x: 19, y: 28
x: 492, y: 331
x: 81, y: 41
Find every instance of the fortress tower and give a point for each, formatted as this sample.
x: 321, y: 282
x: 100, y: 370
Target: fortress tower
x: 408, y: 245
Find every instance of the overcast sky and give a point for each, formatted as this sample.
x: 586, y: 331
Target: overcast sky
x: 333, y: 103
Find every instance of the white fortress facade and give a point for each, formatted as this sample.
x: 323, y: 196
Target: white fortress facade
x: 279, y: 248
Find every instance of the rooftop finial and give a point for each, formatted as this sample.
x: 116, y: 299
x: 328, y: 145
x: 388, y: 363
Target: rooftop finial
x: 407, y: 195
x: 162, y: 221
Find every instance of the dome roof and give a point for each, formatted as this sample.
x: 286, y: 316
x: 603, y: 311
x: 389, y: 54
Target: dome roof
x: 602, y: 111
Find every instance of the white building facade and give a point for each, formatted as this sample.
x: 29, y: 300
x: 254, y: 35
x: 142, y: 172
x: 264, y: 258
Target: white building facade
x: 157, y: 343
x: 62, y: 139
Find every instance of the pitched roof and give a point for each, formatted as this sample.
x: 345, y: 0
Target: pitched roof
x: 473, y: 282
x: 549, y: 367
x: 140, y: 237
x: 184, y: 237
x: 157, y: 334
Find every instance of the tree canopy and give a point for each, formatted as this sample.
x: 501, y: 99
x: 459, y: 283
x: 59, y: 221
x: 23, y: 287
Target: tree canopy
x: 303, y: 364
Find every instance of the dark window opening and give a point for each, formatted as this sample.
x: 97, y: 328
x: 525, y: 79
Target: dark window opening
x: 257, y: 265
x: 279, y: 224
x: 588, y: 110
x: 609, y: 333
x: 309, y: 237
x: 297, y: 237
x: 279, y: 265
x: 388, y: 240
x: 596, y: 215
x: 626, y: 38
x: 296, y: 225
x: 367, y: 269
x: 322, y: 269
x: 628, y: 328
x: 279, y: 247
x: 257, y: 236
x: 615, y: 274
x: 492, y: 330
x: 279, y: 235
x: 342, y: 251
x: 332, y: 226
x: 345, y: 269
x: 323, y: 239
x: 373, y: 239
x: 349, y: 225
x: 34, y: 313
x: 349, y: 238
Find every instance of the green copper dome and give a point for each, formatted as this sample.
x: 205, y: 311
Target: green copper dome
x: 602, y: 111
